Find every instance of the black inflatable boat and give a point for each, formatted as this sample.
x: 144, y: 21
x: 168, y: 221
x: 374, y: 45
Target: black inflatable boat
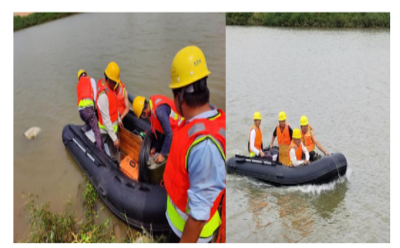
x: 137, y: 203
x: 324, y: 170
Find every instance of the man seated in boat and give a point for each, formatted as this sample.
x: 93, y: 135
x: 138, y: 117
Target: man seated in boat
x: 297, y: 149
x: 163, y: 117
x: 309, y: 140
x: 255, y: 137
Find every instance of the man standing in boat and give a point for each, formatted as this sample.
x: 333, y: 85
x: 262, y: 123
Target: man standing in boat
x: 309, y: 140
x: 297, y: 149
x: 86, y: 91
x: 283, y: 131
x: 255, y: 137
x: 163, y: 118
x: 107, y: 109
x: 194, y: 176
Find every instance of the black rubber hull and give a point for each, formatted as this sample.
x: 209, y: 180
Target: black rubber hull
x: 324, y: 170
x: 139, y: 204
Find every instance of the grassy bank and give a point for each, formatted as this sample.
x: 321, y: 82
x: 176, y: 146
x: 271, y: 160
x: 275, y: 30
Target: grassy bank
x: 67, y: 227
x: 320, y: 20
x: 21, y: 22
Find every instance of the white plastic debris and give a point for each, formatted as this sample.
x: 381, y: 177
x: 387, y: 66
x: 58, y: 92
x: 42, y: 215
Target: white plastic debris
x: 32, y: 132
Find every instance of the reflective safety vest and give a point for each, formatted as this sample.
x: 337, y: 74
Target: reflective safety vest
x: 176, y: 177
x: 257, y: 141
x: 120, y: 95
x: 174, y: 119
x: 299, y: 151
x: 85, y: 92
x: 102, y: 88
x: 307, y: 140
x: 283, y: 137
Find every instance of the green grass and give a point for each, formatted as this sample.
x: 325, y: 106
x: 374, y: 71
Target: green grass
x: 36, y: 18
x: 65, y: 227
x: 320, y: 20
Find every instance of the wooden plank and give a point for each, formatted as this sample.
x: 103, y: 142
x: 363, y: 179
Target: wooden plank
x: 284, y: 154
x: 130, y: 143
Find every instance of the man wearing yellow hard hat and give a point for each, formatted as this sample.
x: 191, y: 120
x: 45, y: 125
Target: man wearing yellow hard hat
x: 283, y: 131
x: 297, y: 149
x: 309, y: 139
x: 255, y: 137
x: 121, y: 93
x: 194, y: 176
x: 86, y: 92
x: 107, y: 109
x: 164, y: 118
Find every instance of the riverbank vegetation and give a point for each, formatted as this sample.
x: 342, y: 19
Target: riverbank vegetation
x: 68, y: 227
x: 320, y: 20
x: 21, y: 22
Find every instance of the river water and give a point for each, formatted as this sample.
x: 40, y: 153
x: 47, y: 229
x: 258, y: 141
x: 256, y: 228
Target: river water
x: 47, y: 58
x: 340, y: 80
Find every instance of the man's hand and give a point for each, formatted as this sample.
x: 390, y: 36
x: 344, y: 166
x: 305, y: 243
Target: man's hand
x: 152, y: 152
x: 120, y: 125
x: 326, y: 153
x: 159, y: 159
x: 116, y: 143
x: 262, y: 154
x: 306, y: 162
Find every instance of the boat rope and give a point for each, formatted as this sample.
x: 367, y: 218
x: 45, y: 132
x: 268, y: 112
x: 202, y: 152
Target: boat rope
x: 83, y: 149
x: 337, y: 169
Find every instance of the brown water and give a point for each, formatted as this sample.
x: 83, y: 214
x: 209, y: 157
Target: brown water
x: 340, y: 79
x: 46, y: 60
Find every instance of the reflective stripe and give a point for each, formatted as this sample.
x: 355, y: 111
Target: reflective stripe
x: 180, y: 121
x: 252, y: 154
x: 179, y: 222
x: 157, y: 101
x: 196, y: 128
x: 221, y: 151
x: 86, y: 103
x: 174, y: 115
x: 115, y: 126
x: 222, y: 132
x: 215, y: 117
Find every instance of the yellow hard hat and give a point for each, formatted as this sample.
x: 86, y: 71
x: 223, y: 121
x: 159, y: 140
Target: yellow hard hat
x: 137, y: 105
x: 257, y: 116
x: 112, y: 72
x: 296, y: 134
x: 303, y: 121
x: 80, y: 72
x: 282, y: 116
x: 188, y: 66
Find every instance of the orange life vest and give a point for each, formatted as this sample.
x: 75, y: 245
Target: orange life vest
x: 120, y: 95
x: 258, y: 139
x: 102, y: 86
x: 283, y: 137
x: 84, y: 89
x: 299, y: 150
x: 307, y: 140
x: 176, y: 177
x: 174, y: 119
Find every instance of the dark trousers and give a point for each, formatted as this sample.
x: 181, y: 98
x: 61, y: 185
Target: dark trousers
x: 114, y: 152
x: 88, y: 116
